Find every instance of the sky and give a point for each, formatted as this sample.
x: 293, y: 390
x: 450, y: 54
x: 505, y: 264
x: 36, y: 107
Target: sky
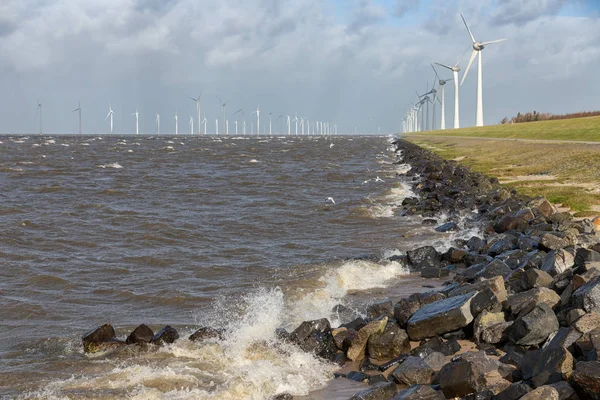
x: 356, y: 63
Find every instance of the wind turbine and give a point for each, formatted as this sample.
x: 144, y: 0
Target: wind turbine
x: 296, y: 121
x: 192, y: 126
x: 455, y: 70
x: 236, y: 125
x: 288, y: 124
x: 270, y: 118
x: 442, y: 85
x: 110, y: 114
x: 216, y: 126
x: 197, y: 100
x: 302, y: 125
x: 157, y: 124
x: 477, y: 48
x: 243, y: 120
x: 39, y: 109
x: 137, y: 120
x: 257, y: 112
x: 79, y: 109
x: 176, y: 124
x: 204, y: 122
x: 222, y: 114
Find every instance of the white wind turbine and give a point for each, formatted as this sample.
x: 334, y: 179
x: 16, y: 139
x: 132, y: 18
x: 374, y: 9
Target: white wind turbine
x: 137, y: 122
x: 39, y: 109
x: 442, y: 85
x: 157, y: 124
x: 110, y: 114
x: 455, y: 70
x: 217, y: 126
x: 288, y: 125
x: 204, y: 122
x: 257, y: 112
x: 192, y: 125
x: 176, y: 124
x: 302, y: 125
x: 270, y: 126
x: 296, y: 121
x: 243, y: 120
x: 477, y: 48
x: 79, y: 109
x: 197, y: 100
x: 236, y: 127
x: 222, y: 115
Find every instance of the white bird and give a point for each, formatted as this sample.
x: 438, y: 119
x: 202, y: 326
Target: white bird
x: 331, y: 145
x: 378, y: 179
x: 330, y: 199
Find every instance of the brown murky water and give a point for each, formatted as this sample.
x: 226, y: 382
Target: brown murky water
x: 187, y: 231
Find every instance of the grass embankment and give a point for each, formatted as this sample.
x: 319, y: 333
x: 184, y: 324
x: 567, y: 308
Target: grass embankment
x: 565, y: 173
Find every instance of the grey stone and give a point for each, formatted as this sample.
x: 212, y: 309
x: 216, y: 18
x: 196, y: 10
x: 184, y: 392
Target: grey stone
x: 553, y: 365
x: 141, y: 334
x: 447, y: 227
x: 404, y: 309
x: 378, y: 391
x: 557, y: 262
x: 514, y: 392
x: 495, y: 268
x: 588, y: 296
x: 565, y: 391
x: 391, y: 343
x: 551, y: 241
x: 414, y: 370
x: 584, y: 255
x: 586, y: 380
x: 419, y: 392
x: 381, y: 308
x: 534, y: 327
x: 166, y: 335
x: 542, y: 393
x: 315, y: 337
x: 422, y: 257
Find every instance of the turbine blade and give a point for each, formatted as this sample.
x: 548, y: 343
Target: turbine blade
x: 192, y: 98
x: 444, y: 65
x: 107, y: 115
x: 463, y: 56
x: 493, y: 41
x: 220, y: 102
x: 468, y: 29
x: 436, y: 74
x: 473, y: 55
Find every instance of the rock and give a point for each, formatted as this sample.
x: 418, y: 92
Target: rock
x: 379, y: 378
x: 433, y: 272
x: 565, y: 391
x: 141, y: 334
x: 550, y: 241
x: 525, y: 301
x: 419, y: 392
x: 315, y: 337
x: 166, y: 335
x: 485, y: 320
x: 476, y: 244
x: 440, y: 317
x: 340, y: 336
x: 573, y: 315
x: 466, y: 375
x: 501, y: 244
x: 379, y: 391
x: 514, y: 258
x: 404, y: 309
x: 514, y: 391
x: 587, y: 343
x: 588, y: 296
x: 422, y: 257
x: 557, y: 262
x: 435, y: 360
x: 586, y: 380
x: 429, y: 221
x: 447, y: 227
x: 583, y: 255
x: 560, y: 217
x: 357, y: 376
x: 508, y: 223
x: 282, y: 396
x: 359, y: 343
x: 454, y: 255
x: 542, y: 393
x: 553, y: 365
x: 413, y: 371
x: 101, y: 339
x: 534, y: 327
x: 564, y: 337
x: 381, y: 308
x: 542, y: 206
x: 496, y: 334
x: 587, y: 322
x: 355, y: 325
x: 527, y: 243
x: 495, y: 268
x: 343, y: 313
x: 391, y: 343
x: 207, y: 332
x: 537, y: 278
x: 486, y: 299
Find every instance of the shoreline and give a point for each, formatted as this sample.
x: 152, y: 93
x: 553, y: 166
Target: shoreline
x: 519, y: 314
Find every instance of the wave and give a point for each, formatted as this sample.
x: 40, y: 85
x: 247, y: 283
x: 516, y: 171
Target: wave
x: 112, y: 165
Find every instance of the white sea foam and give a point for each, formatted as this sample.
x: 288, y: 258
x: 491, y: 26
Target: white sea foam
x: 253, y: 161
x: 112, y: 165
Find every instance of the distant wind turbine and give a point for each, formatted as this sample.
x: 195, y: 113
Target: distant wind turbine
x: 137, y: 121
x: 257, y: 112
x: 110, y: 114
x: 192, y: 126
x: 222, y: 114
x: 204, y: 122
x: 217, y: 126
x: 176, y: 124
x: 455, y: 70
x: 296, y: 121
x: 157, y: 124
x: 442, y: 85
x: 197, y: 100
x: 236, y: 127
x: 39, y: 110
x: 270, y: 118
x: 288, y: 124
x: 79, y: 109
x: 477, y: 49
x: 243, y: 120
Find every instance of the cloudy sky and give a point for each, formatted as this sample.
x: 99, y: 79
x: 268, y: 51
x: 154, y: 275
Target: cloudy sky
x: 354, y: 62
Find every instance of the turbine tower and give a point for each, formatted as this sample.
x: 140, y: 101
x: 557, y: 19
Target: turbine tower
x: 39, y: 109
x: 257, y: 112
x: 192, y: 125
x: 243, y: 120
x: 236, y: 127
x: 176, y: 124
x: 442, y: 84
x: 296, y: 121
x: 110, y: 114
x: 137, y: 121
x: 477, y: 48
x: 197, y: 100
x: 157, y: 124
x: 222, y: 115
x: 270, y: 126
x: 204, y: 122
x: 288, y: 124
x: 79, y: 109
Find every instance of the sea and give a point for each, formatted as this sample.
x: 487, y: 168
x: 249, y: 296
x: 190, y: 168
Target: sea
x: 245, y: 234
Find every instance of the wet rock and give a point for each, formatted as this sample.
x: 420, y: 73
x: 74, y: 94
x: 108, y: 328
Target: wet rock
x: 542, y: 393
x: 454, y: 255
x: 419, y: 392
x: 514, y: 392
x: 282, y: 396
x: 141, y: 334
x: 342, y: 337
x: 508, y: 223
x: 435, y: 360
x: 355, y: 325
x: 391, y: 343
x: 379, y: 378
x: 501, y: 244
x: 514, y: 258
x: 440, y: 317
x: 378, y: 391
x: 381, y: 308
x: 588, y: 296
x: 565, y: 391
x: 344, y: 313
x: 166, y: 335
x: 404, y: 309
x: 551, y: 241
x: 359, y: 342
x: 534, y: 327
x: 495, y: 268
x: 527, y: 243
x: 357, y: 376
x: 557, y: 262
x: 584, y: 255
x: 541, y: 206
x: 447, y: 227
x: 429, y: 222
x: 466, y: 375
x: 413, y: 371
x: 423, y: 257
x: 207, y: 332
x: 553, y: 365
x: 587, y: 322
x: 100, y: 339
x: 476, y: 244
x: 564, y: 337
x: 315, y: 337
x: 525, y: 301
x: 432, y: 272
x: 486, y: 299
x: 537, y: 278
x: 573, y: 315
x: 586, y: 380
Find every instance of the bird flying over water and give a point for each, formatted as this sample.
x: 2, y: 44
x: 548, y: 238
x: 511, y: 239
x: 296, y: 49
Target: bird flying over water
x: 330, y: 199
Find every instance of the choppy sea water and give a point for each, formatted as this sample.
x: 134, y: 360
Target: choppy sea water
x: 235, y: 233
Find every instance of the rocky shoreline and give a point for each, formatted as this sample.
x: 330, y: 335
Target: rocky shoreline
x: 518, y: 317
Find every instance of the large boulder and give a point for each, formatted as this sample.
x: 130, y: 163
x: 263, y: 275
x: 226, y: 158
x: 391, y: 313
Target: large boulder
x: 553, y: 365
x: 466, y: 375
x: 419, y: 392
x: 413, y: 371
x: 534, y: 327
x: 423, y: 257
x: 541, y: 206
x: 525, y: 301
x: 206, y: 332
x: 588, y: 296
x: 381, y: 308
x: 586, y: 380
x: 315, y: 337
x: 514, y: 392
x: 441, y: 317
x: 583, y: 256
x: 102, y: 338
x: 166, y: 335
x: 404, y: 309
x: 557, y: 262
x: 551, y: 241
x: 509, y: 222
x: 379, y: 391
x: 542, y: 393
x: 359, y: 342
x: 140, y: 335
x: 390, y: 343
x: 495, y: 268
x: 587, y: 322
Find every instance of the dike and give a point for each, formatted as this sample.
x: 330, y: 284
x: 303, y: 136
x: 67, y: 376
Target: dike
x: 519, y: 316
